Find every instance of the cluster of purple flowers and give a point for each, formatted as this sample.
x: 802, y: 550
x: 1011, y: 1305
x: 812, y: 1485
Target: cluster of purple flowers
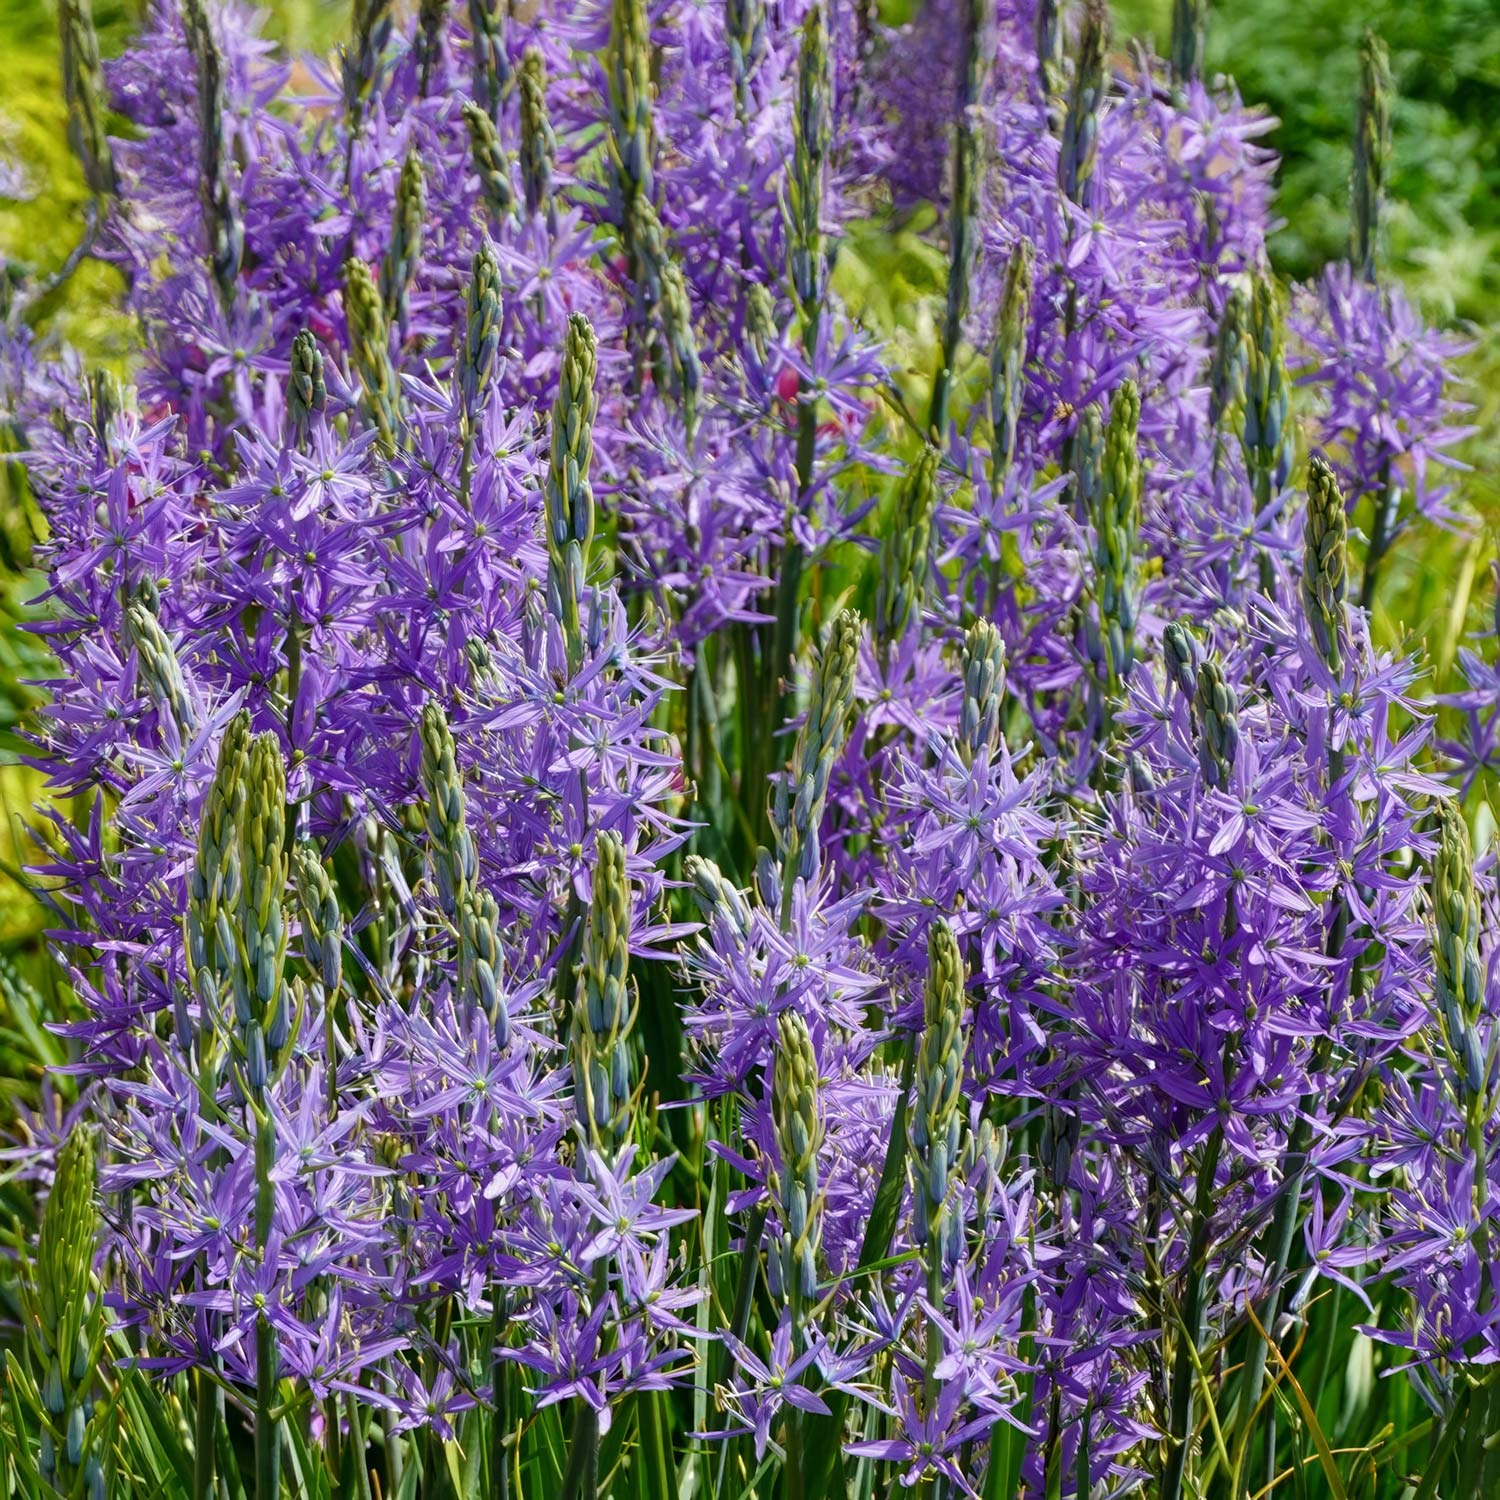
x: 540, y: 943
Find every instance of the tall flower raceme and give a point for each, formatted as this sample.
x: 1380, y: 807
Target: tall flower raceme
x: 466, y: 595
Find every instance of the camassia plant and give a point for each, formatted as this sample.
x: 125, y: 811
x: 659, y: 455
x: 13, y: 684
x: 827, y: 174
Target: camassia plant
x: 668, y: 902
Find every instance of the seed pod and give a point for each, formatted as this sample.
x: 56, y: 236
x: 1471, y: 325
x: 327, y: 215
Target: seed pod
x: 305, y: 390
x: 83, y: 91
x: 450, y: 847
x: 370, y: 354
x: 1267, y: 432
x: 1008, y: 361
x: 1218, y: 724
x: 1325, y: 557
x: 797, y: 1120
x: 569, y: 495
x: 603, y: 1010
x: 936, y: 1122
x: 160, y: 671
x: 1372, y: 154
x: 538, y: 140
x: 490, y: 162
x: 492, y: 70
x: 405, y: 250
x: 1080, y: 133
x: 984, y: 691
x: 803, y: 791
x: 1189, y: 24
x: 904, y: 552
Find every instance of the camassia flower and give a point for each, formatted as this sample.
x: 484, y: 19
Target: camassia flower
x: 664, y: 892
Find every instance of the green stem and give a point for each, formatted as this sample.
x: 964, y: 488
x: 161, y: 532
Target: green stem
x: 267, y: 1437
x: 1180, y: 1422
x: 203, y: 1436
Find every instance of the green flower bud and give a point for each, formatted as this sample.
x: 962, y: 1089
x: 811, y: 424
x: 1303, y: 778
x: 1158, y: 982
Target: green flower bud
x: 322, y: 919
x: 1116, y: 518
x: 604, y: 1009
x: 305, y: 390
x: 492, y: 70
x: 538, y: 141
x: 214, y: 883
x: 363, y: 61
x: 745, y: 34
x: 160, y: 671
x: 811, y: 130
x: 1372, y: 154
x: 984, y: 691
x: 450, y: 848
x: 370, y: 354
x: 482, y: 316
x: 400, y: 264
x: 490, y: 162
x: 904, y: 552
x: 1189, y: 23
x: 1267, y: 432
x: 1216, y: 712
x: 797, y: 1121
x: 717, y: 897
x: 1325, y: 561
x: 803, y: 792
x: 479, y: 960
x: 936, y: 1122
x: 226, y: 233
x: 1080, y: 134
x: 1008, y: 361
x: 1183, y: 656
x: 262, y: 1012
x: 427, y: 45
x: 83, y: 90
x: 1458, y: 976
x: 569, y: 496
x: 64, y: 1318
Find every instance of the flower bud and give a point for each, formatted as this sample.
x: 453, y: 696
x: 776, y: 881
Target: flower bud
x: 569, y: 495
x: 1080, y: 134
x: 797, y: 1121
x: 305, y: 390
x: 538, y: 141
x: 1325, y: 549
x: 603, y: 1009
x: 449, y: 845
x: 490, y: 162
x: 936, y: 1119
x: 1008, y: 360
x: 1218, y: 726
x: 405, y: 249
x: 803, y: 791
x: 905, y: 544
x: 370, y: 353
x: 984, y: 691
x: 1372, y: 154
x: 83, y: 91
